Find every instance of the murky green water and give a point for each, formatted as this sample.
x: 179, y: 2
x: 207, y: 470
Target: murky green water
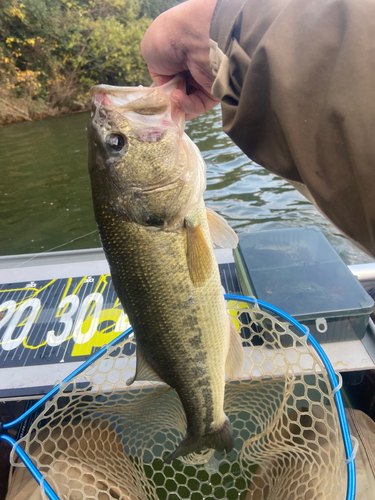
x: 45, y: 198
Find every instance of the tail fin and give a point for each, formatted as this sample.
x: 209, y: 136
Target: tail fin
x: 221, y: 440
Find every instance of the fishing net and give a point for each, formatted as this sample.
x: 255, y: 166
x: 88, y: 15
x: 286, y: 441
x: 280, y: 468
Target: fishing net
x: 100, y: 439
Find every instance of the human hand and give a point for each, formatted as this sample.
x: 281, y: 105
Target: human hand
x: 178, y: 42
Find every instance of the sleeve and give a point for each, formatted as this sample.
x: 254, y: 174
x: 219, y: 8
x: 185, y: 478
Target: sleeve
x: 296, y: 81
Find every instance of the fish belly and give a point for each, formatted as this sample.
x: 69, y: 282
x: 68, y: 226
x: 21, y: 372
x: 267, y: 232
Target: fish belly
x: 182, y: 330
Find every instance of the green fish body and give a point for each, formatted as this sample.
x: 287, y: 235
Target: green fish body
x: 147, y: 181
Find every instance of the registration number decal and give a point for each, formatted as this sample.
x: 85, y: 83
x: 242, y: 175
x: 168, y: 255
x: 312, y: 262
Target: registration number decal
x: 58, y: 320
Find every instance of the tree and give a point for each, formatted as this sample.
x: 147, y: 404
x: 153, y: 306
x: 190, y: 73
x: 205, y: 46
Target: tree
x: 55, y: 50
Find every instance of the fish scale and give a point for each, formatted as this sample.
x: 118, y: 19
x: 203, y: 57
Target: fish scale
x: 158, y: 245
x: 158, y: 310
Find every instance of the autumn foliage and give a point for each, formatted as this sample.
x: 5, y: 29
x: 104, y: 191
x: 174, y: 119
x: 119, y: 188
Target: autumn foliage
x: 53, y: 51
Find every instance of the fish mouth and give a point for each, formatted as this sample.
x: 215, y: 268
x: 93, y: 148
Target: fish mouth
x: 113, y: 96
x: 148, y: 101
x: 140, y: 101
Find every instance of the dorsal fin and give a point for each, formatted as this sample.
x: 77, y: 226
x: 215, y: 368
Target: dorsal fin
x: 222, y: 234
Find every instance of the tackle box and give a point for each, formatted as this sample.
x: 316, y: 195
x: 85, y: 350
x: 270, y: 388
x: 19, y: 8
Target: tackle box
x: 298, y: 271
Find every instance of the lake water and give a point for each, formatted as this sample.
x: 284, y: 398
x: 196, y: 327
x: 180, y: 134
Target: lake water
x: 45, y: 197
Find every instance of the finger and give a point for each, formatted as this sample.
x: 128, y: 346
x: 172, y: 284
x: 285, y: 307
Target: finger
x: 194, y: 104
x: 160, y: 79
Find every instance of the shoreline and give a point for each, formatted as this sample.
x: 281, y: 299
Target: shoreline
x: 14, y: 110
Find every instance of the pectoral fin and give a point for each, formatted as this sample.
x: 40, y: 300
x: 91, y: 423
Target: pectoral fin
x: 222, y: 234
x: 198, y: 255
x: 235, y: 356
x: 143, y: 371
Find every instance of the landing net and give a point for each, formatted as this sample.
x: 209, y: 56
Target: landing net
x: 99, y: 439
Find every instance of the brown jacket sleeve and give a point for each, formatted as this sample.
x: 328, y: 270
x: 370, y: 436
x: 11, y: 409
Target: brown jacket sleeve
x: 296, y: 79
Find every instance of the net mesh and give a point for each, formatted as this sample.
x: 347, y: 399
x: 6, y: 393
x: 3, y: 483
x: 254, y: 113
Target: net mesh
x: 99, y: 439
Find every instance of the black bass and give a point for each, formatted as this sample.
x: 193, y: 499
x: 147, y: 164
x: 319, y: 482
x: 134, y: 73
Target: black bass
x: 148, y: 180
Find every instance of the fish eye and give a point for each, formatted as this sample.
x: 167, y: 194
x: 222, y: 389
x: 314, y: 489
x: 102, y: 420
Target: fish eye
x: 116, y: 141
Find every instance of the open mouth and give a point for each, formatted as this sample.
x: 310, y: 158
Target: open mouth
x: 143, y: 101
x: 150, y: 106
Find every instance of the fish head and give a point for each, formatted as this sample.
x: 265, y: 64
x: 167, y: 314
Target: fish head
x: 140, y: 160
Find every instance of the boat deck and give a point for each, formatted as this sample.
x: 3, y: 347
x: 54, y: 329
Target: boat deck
x: 23, y: 376
x: 23, y: 379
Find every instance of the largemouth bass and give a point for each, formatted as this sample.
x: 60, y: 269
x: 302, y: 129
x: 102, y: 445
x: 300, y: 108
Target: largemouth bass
x: 148, y: 180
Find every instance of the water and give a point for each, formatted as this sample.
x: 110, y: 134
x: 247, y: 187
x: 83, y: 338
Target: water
x: 45, y: 197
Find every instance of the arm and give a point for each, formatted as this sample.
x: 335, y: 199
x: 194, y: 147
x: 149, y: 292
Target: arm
x: 296, y: 83
x: 178, y: 41
x: 296, y: 79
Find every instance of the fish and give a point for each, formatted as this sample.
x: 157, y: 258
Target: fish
x: 147, y: 181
